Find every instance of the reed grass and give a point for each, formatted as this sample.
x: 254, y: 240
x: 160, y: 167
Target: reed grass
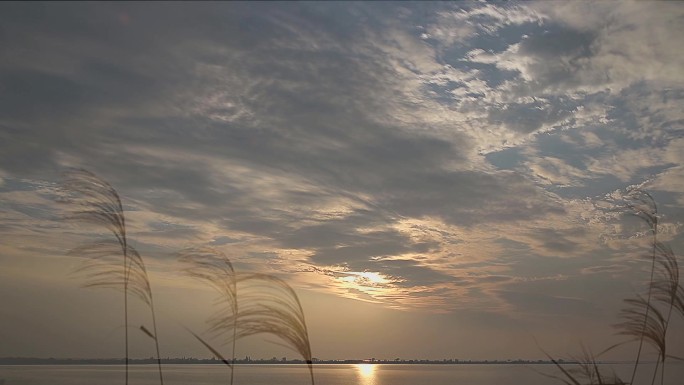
x: 268, y: 305
x: 586, y: 371
x: 250, y: 304
x: 214, y: 268
x: 111, y: 263
x: 646, y: 318
x: 642, y: 205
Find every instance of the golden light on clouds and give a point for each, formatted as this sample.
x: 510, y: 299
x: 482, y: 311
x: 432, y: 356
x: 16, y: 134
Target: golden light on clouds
x: 366, y: 278
x: 374, y: 285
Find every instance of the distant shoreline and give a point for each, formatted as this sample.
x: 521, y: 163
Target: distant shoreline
x: 249, y: 361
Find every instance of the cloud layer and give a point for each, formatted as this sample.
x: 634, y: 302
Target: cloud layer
x: 440, y: 157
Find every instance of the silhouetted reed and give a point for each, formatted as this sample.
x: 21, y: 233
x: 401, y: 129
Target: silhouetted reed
x: 214, y: 268
x: 585, y: 370
x: 646, y: 318
x: 649, y: 321
x: 642, y: 205
x: 112, y: 264
x: 268, y: 305
x: 250, y: 304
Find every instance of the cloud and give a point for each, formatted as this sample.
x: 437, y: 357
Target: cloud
x: 555, y: 171
x: 529, y: 117
x: 537, y: 304
x: 613, y: 48
x: 333, y: 138
x: 457, y: 26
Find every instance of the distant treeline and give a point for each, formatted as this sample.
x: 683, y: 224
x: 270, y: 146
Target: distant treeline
x: 247, y: 360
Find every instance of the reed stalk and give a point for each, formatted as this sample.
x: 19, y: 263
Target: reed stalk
x: 642, y: 205
x: 214, y: 268
x: 268, y: 305
x: 251, y: 304
x: 94, y: 201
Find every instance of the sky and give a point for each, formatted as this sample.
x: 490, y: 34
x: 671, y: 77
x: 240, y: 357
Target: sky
x: 435, y: 180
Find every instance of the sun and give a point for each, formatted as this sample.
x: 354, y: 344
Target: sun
x: 375, y: 278
x: 365, y: 278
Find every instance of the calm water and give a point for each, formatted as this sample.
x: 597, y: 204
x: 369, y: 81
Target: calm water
x: 293, y: 374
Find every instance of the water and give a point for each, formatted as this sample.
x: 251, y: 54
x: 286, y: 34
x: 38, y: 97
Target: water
x: 364, y: 374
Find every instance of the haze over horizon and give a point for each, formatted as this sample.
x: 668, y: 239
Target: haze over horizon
x: 435, y: 180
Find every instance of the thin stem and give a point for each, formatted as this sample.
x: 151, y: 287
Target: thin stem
x: 156, y: 341
x: 127, y: 271
x: 310, y: 364
x: 655, y: 371
x: 667, y: 324
x: 126, y: 276
x: 126, y: 327
x: 156, y: 338
x: 232, y: 367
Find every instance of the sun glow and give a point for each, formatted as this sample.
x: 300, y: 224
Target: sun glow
x: 366, y: 278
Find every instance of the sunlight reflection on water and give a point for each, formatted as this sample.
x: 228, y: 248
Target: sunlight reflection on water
x: 291, y: 374
x: 366, y: 374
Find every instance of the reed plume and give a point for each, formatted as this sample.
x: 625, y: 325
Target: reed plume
x: 213, y: 267
x: 586, y: 370
x: 112, y: 264
x: 268, y: 305
x: 642, y: 205
x: 250, y: 304
x: 645, y: 318
x: 667, y: 292
x: 643, y: 321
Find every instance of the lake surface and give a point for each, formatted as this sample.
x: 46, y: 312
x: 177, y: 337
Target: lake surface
x: 363, y: 374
